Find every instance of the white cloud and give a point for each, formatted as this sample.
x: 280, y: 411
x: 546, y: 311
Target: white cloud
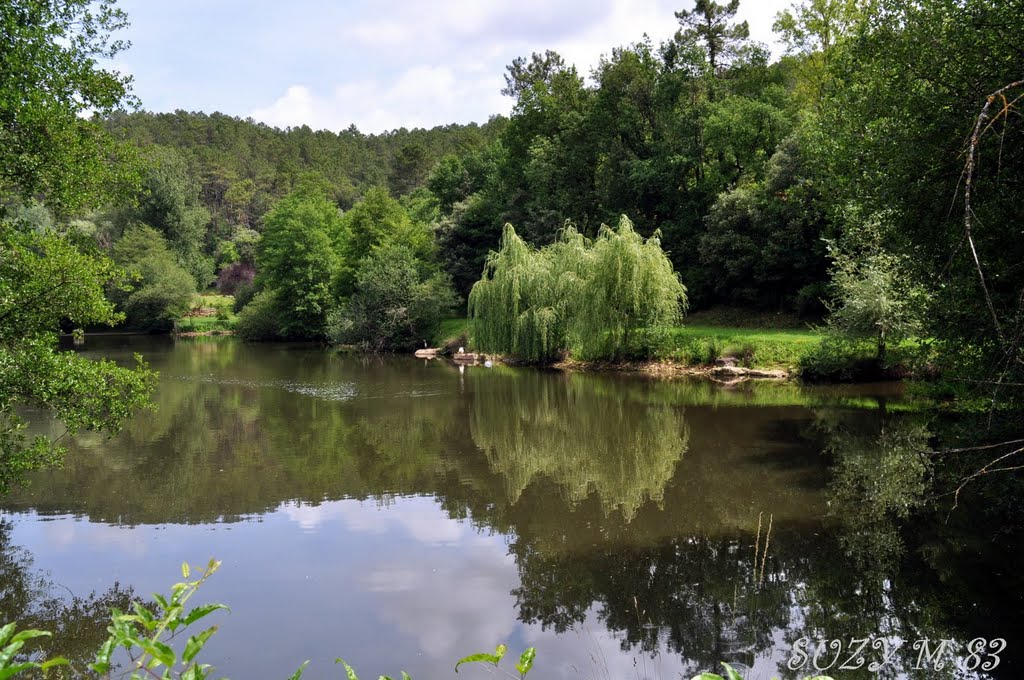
x: 422, y: 96
x: 422, y: 64
x: 416, y: 517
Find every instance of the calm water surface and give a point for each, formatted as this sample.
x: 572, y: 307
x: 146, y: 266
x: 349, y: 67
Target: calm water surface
x: 402, y: 514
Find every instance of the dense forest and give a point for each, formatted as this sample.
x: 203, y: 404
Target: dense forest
x: 869, y: 177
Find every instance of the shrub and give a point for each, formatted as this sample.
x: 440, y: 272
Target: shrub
x: 243, y: 296
x: 259, y: 320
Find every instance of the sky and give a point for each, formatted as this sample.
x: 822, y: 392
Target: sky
x: 375, y: 64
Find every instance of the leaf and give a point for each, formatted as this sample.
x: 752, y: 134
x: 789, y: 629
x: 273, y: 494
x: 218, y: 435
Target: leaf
x: 102, y: 664
x: 145, y: 616
x: 297, y: 675
x: 159, y: 651
x: 526, y: 660
x: 349, y: 673
x: 185, y: 570
x: 405, y: 676
x: 11, y: 671
x: 5, y: 633
x: 55, y: 661
x: 177, y: 590
x: 483, y: 657
x: 708, y: 676
x: 201, y: 611
x: 9, y: 651
x: 731, y: 672
x: 195, y: 644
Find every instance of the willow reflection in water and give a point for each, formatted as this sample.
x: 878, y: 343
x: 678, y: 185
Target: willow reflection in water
x: 581, y: 435
x: 623, y: 509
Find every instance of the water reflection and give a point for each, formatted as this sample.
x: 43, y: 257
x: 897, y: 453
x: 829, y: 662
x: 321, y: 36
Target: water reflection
x: 78, y: 622
x: 405, y: 513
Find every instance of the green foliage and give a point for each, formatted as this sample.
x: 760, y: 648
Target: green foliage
x: 590, y: 297
x: 260, y: 319
x: 763, y: 244
x: 710, y: 23
x: 875, y: 298
x: 296, y: 261
x: 45, y: 280
x: 409, y: 167
x: 516, y: 307
x: 891, y: 135
x: 375, y: 220
x: 160, y: 291
x: 627, y: 286
x: 815, y: 26
x: 50, y: 80
x: 244, y: 167
x: 169, y: 202
x: 11, y: 644
x: 398, y: 304
x: 144, y: 634
x: 835, y: 359
x: 466, y: 235
x: 523, y: 665
x: 449, y: 182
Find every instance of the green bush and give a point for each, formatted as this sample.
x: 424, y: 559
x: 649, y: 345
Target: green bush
x: 259, y: 319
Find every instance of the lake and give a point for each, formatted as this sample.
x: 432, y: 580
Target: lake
x: 402, y: 513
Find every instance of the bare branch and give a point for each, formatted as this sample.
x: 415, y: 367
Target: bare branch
x: 982, y: 124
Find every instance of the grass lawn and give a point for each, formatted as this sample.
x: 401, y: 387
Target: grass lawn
x: 450, y: 330
x: 210, y: 313
x: 204, y: 324
x: 702, y: 343
x: 760, y: 347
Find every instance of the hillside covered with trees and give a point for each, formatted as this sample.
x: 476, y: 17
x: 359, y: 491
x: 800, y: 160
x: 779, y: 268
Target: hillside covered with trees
x: 869, y: 177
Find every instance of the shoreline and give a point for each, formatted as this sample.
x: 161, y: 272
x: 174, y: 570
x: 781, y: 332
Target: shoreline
x: 725, y: 371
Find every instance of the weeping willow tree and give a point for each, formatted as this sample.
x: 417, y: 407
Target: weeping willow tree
x: 630, y: 287
x: 592, y: 297
x: 521, y: 305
